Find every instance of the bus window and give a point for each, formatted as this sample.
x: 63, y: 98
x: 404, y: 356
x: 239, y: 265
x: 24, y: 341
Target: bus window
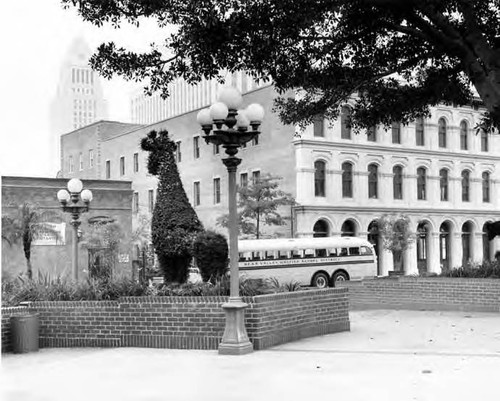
x: 296, y: 254
x: 282, y: 254
x: 269, y: 254
x: 332, y: 252
x: 354, y: 251
x: 309, y: 253
x: 343, y: 252
x: 320, y: 253
x: 255, y: 255
x: 242, y: 257
x: 366, y: 251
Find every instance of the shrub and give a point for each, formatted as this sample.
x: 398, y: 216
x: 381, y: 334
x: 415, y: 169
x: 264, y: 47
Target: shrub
x: 484, y: 270
x: 175, y: 223
x: 211, y: 253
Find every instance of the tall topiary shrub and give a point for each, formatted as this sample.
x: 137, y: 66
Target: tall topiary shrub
x: 211, y: 253
x: 175, y: 223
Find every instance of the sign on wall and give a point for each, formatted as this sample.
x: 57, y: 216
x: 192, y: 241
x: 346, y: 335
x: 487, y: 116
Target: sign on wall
x: 51, y: 234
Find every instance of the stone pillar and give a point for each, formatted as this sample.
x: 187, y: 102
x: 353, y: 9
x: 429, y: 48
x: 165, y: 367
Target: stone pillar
x: 433, y: 256
x: 456, y: 250
x: 410, y: 259
x: 477, y: 247
x: 385, y: 260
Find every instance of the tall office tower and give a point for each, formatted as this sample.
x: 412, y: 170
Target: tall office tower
x: 79, y: 98
x: 185, y: 97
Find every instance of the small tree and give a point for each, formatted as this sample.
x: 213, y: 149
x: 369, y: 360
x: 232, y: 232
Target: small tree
x: 211, y: 253
x: 26, y: 227
x: 175, y: 223
x: 259, y: 205
x: 396, y: 234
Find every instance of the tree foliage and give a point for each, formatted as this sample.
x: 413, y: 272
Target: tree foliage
x: 396, y: 232
x: 259, y: 204
x: 400, y: 57
x: 210, y: 250
x: 175, y: 223
x: 24, y: 228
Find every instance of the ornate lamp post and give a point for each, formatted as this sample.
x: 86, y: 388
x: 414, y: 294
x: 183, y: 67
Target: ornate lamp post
x: 73, y: 194
x: 233, y: 128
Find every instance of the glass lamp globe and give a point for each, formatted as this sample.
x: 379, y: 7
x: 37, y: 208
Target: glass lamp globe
x: 86, y: 195
x: 255, y: 112
x: 63, y: 195
x: 231, y: 97
x: 218, y: 111
x: 242, y: 120
x: 75, y: 185
x: 204, y: 117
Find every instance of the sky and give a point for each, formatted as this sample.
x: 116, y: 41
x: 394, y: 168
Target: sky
x: 34, y: 38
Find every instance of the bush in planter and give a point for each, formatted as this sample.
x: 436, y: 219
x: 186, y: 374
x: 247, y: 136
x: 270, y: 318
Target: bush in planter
x: 484, y: 270
x: 211, y: 253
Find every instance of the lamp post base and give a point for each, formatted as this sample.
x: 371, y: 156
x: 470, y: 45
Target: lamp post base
x: 235, y: 340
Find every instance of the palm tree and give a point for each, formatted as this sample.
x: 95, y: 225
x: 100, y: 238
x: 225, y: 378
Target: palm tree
x: 26, y: 227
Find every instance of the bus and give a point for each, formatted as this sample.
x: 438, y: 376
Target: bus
x: 319, y: 262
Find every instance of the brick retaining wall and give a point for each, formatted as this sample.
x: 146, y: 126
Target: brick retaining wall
x: 431, y: 293
x: 187, y: 322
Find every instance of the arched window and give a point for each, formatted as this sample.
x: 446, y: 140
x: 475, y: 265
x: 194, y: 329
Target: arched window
x: 419, y: 131
x: 345, y: 121
x: 465, y: 186
x: 318, y: 126
x: 320, y: 229
x: 444, y: 244
x: 484, y: 141
x: 319, y: 178
x: 348, y: 229
x: 442, y: 132
x: 346, y: 180
x: 466, y: 242
x: 486, y: 186
x: 396, y: 132
x: 373, y: 181
x: 421, y: 183
x: 464, y: 135
x: 397, y: 182
x: 443, y: 184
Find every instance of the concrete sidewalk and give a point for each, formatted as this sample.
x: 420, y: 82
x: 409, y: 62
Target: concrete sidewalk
x: 388, y: 355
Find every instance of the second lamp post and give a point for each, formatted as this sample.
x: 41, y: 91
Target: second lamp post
x: 73, y: 194
x: 233, y: 128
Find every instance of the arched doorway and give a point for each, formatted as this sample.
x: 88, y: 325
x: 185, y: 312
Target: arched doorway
x: 466, y: 243
x: 321, y: 229
x: 348, y: 229
x: 486, y: 245
x: 444, y: 245
x: 422, y: 247
x: 374, y: 238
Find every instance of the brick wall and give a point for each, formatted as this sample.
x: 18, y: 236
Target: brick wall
x: 434, y: 293
x: 188, y: 322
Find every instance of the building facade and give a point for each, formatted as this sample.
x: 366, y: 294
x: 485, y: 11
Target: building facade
x: 437, y: 172
x: 79, y: 98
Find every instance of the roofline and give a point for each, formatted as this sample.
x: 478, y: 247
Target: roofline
x: 103, y: 121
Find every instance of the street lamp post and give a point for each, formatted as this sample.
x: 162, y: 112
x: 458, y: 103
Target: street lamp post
x: 233, y: 128
x: 73, y: 194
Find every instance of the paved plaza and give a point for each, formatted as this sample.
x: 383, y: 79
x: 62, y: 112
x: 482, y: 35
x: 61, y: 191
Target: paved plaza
x: 388, y: 355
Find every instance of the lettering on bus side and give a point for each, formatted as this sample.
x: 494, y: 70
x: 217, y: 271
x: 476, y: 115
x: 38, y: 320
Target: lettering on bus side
x: 288, y: 262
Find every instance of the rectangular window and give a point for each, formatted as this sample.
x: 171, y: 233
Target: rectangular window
x: 196, y: 193
x: 178, y: 155
x: 135, y: 203
x: 216, y: 149
x: 196, y: 147
x: 91, y: 158
x: 136, y: 162
x: 122, y: 165
x: 71, y: 166
x: 396, y: 132
x: 484, y: 141
x: 255, y: 177
x: 419, y: 131
x: 108, y: 169
x: 216, y: 191
x: 371, y: 134
x: 318, y: 126
x: 80, y: 161
x: 243, y: 180
x: 151, y: 200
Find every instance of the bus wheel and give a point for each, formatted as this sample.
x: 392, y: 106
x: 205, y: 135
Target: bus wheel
x: 339, y: 276
x: 321, y: 280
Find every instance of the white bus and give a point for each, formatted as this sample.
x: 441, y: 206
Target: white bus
x: 316, y: 262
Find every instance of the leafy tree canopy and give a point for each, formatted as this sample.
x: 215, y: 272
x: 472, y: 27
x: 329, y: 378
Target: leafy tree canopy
x: 259, y: 204
x: 400, y: 57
